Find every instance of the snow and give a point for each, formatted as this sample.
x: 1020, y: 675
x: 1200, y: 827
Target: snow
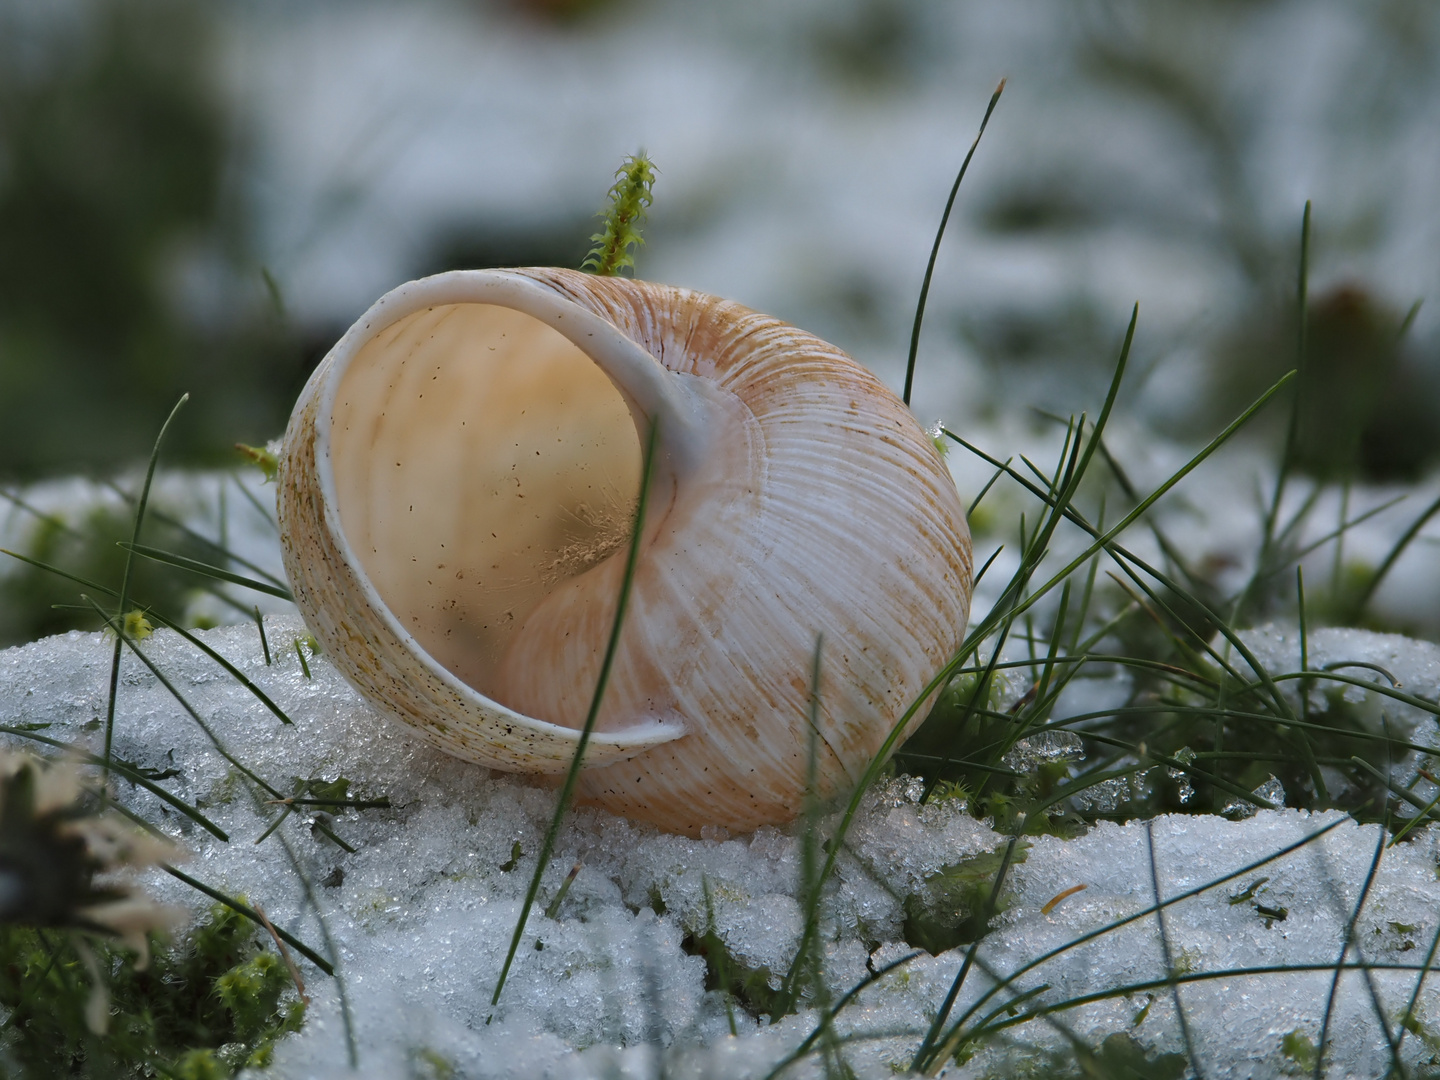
x: 422, y: 912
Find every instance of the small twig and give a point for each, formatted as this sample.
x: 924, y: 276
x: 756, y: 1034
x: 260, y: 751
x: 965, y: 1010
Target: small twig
x: 1054, y: 901
x: 284, y: 954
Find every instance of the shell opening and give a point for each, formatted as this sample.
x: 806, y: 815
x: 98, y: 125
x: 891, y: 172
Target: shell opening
x: 452, y: 421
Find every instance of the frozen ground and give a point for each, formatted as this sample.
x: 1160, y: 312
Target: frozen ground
x: 421, y: 912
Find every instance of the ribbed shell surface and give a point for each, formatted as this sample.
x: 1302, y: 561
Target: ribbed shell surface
x: 818, y: 507
x: 828, y: 512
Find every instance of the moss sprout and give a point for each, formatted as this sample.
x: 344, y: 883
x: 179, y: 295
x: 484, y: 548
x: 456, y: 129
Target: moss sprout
x: 629, y: 197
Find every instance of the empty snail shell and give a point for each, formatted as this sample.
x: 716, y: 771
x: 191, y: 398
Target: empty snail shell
x: 457, y: 493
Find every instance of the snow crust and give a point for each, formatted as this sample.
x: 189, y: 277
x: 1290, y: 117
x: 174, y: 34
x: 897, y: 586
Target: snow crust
x: 420, y: 915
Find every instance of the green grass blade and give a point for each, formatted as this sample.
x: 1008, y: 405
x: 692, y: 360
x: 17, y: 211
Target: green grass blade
x: 970, y: 510
x: 1114, y: 992
x: 1407, y: 1018
x: 1390, y: 559
x: 935, y: 248
x: 994, y: 555
x: 805, y: 957
x: 567, y: 790
x: 1272, y: 514
x: 86, y: 582
x: 1105, y: 538
x: 346, y: 1018
x: 1345, y: 946
x: 828, y: 1018
x: 140, y: 505
x: 1072, y: 475
x: 164, y: 681
x: 1166, y: 952
x: 251, y: 914
x: 230, y: 668
x: 927, y: 1053
x: 207, y: 570
x: 52, y: 520
x: 1075, y: 943
x: 267, y: 515
x: 264, y: 641
x: 220, y: 548
x: 127, y: 773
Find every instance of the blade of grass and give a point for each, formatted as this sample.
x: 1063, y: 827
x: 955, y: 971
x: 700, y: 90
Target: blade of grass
x: 127, y: 773
x: 1105, y: 540
x: 1272, y: 514
x: 935, y: 248
x: 52, y: 520
x: 1407, y: 1018
x: 251, y: 914
x: 156, y: 616
x: 267, y: 515
x: 1002, y: 613
x: 346, y: 1017
x: 970, y: 510
x: 1111, y: 927
x: 220, y: 548
x: 1394, y: 554
x: 195, y: 566
x: 994, y: 555
x: 264, y: 641
x: 124, y: 598
x: 1129, y: 989
x: 164, y: 680
x: 1106, y: 537
x: 1166, y: 952
x: 928, y: 1057
x: 1339, y: 530
x: 567, y: 789
x: 805, y: 957
x: 828, y: 1018
x: 1346, y: 942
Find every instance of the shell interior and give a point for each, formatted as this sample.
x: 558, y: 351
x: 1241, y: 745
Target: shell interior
x: 457, y: 418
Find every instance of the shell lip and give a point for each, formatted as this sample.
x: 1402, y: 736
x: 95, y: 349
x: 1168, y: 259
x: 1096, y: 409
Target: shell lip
x: 460, y: 287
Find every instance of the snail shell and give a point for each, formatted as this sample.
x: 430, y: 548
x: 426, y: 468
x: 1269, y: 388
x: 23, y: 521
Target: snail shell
x: 457, y: 491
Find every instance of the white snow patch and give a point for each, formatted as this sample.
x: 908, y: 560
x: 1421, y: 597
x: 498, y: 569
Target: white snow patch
x: 422, y: 913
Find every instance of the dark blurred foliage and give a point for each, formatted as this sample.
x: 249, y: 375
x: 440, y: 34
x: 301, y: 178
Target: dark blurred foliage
x: 35, y: 603
x: 1368, y: 396
x: 113, y: 158
x: 563, y: 12
x: 1072, y: 333
x: 469, y: 246
x: 871, y: 43
x: 1367, y: 402
x: 202, y: 1009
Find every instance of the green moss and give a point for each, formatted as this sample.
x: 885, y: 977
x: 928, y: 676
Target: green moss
x: 204, y: 1008
x: 629, y: 198
x: 1298, y: 1048
x: 749, y: 987
x: 428, y: 1064
x: 947, y: 910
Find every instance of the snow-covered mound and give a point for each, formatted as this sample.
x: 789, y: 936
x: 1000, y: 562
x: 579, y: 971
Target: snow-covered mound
x: 421, y: 912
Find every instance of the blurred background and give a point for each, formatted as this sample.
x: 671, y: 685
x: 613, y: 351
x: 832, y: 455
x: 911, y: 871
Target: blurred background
x: 202, y: 196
